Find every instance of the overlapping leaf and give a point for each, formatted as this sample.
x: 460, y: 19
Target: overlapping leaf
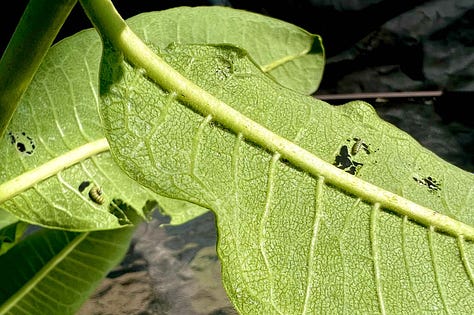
x: 11, y: 230
x: 58, y: 114
x: 291, y: 55
x: 54, y: 272
x: 290, y: 241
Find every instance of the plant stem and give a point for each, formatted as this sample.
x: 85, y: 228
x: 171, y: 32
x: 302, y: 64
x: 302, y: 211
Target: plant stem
x: 115, y: 31
x: 30, y: 42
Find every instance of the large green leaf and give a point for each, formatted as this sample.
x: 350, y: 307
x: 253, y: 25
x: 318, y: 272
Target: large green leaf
x: 320, y: 209
x: 57, y: 122
x: 55, y: 144
x: 54, y: 272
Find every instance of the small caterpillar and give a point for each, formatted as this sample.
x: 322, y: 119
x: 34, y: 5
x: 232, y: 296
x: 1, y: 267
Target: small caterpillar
x: 357, y: 146
x: 96, y: 194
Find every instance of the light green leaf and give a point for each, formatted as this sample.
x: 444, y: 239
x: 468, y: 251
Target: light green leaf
x: 54, y: 152
x: 55, y: 141
x: 11, y: 230
x: 319, y: 209
x: 291, y: 55
x: 54, y: 272
x: 6, y: 218
x: 180, y: 211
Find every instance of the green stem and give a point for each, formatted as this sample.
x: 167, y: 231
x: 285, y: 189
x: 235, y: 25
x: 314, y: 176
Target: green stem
x: 114, y: 30
x: 30, y: 42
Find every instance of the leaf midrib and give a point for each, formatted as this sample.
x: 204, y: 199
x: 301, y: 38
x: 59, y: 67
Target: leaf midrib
x: 208, y: 105
x: 142, y: 57
x: 278, y: 62
x: 32, y: 177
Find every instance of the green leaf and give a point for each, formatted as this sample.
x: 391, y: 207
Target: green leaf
x: 6, y: 219
x: 291, y: 55
x: 54, y: 152
x: 319, y: 209
x: 180, y: 211
x: 11, y: 230
x: 54, y: 144
x: 54, y: 272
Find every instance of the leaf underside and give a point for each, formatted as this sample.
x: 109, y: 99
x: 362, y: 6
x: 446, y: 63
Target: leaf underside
x: 11, y: 231
x: 290, y: 242
x: 58, y: 113
x: 291, y: 55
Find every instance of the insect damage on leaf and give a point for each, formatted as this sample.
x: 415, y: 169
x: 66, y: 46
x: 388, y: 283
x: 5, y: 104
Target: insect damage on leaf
x: 431, y: 183
x: 358, y: 145
x: 22, y: 142
x: 118, y: 208
x: 345, y: 162
x: 83, y: 185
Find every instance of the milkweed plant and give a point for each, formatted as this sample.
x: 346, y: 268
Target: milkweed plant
x: 319, y: 209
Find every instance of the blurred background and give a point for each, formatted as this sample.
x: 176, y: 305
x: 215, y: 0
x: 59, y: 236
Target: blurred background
x: 412, y: 60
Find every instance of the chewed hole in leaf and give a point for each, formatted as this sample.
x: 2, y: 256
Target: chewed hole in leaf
x: 431, y: 183
x: 22, y: 142
x: 360, y: 146
x: 83, y: 185
x: 118, y: 208
x: 345, y: 162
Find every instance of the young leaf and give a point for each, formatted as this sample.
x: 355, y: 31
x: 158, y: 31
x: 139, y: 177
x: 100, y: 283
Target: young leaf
x: 306, y: 223
x: 54, y: 272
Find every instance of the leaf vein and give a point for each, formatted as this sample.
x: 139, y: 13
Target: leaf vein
x: 316, y: 222
x: 374, y: 220
x: 44, y: 298
x: 198, y: 136
x: 465, y: 259
x: 436, y: 274
x: 406, y: 259
x: 263, y: 221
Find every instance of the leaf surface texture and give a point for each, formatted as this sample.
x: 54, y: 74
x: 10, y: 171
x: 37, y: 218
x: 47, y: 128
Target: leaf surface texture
x: 59, y: 114
x: 290, y: 241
